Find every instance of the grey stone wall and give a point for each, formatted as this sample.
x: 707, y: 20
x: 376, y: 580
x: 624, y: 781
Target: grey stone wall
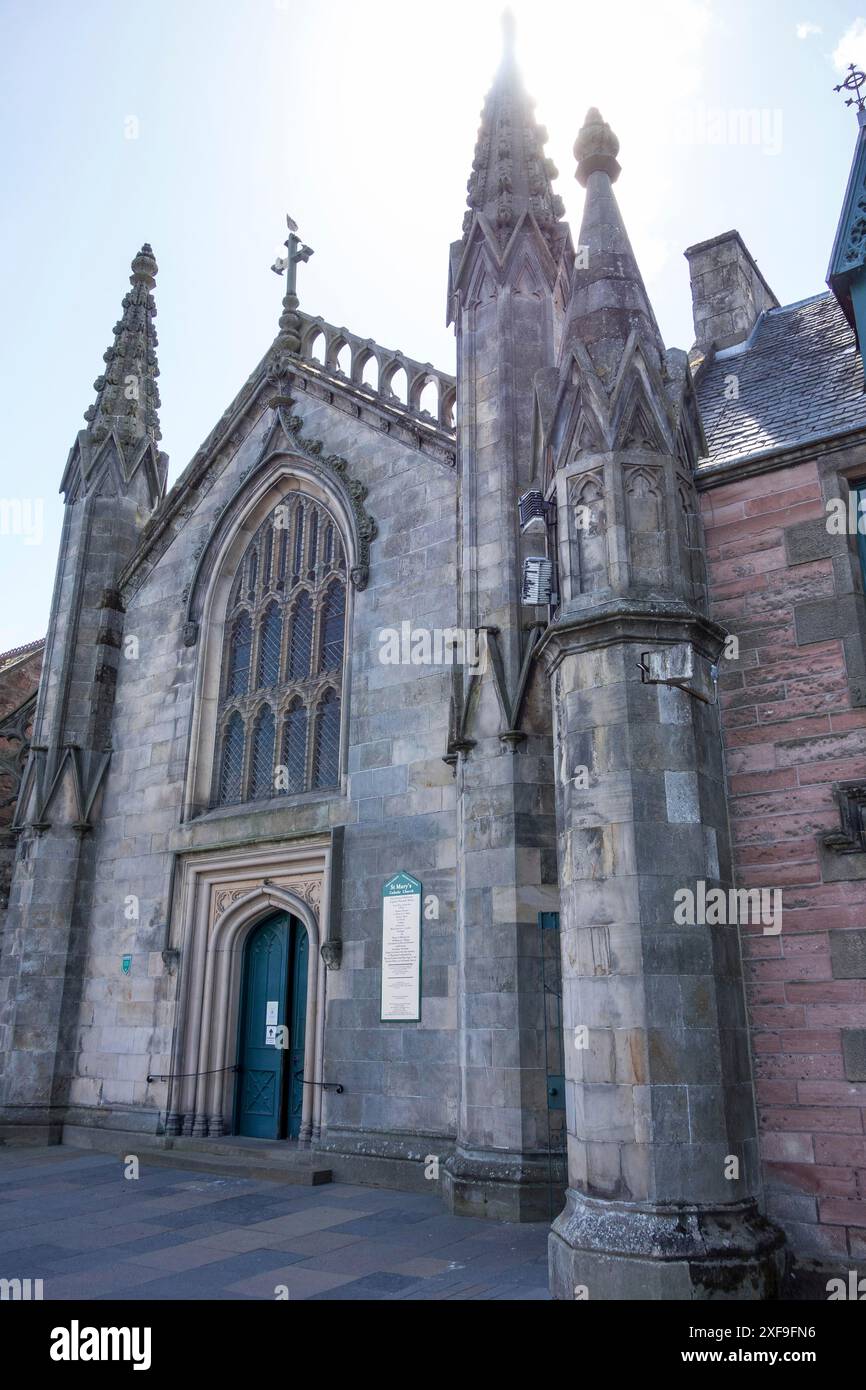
x: 398, y: 812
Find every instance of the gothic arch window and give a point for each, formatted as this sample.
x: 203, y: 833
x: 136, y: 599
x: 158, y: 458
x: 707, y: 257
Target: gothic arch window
x: 240, y: 649
x: 282, y: 661
x: 262, y: 755
x: 231, y: 770
x: 293, y: 757
x: 301, y: 639
x: 270, y: 641
x: 326, y: 748
x: 333, y: 628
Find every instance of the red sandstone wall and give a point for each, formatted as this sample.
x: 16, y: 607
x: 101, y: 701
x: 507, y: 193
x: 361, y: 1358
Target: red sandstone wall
x: 790, y: 732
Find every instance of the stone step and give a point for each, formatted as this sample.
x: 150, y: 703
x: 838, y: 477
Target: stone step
x: 231, y: 1156
x: 236, y: 1145
x: 268, y: 1165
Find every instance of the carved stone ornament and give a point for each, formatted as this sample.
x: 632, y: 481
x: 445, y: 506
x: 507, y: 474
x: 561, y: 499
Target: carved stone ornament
x: 332, y: 954
x: 308, y: 889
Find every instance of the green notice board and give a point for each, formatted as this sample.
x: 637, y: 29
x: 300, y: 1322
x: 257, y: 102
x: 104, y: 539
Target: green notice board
x: 401, y: 950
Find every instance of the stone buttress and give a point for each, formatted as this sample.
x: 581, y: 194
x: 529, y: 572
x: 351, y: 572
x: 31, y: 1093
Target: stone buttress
x: 507, y: 290
x: 662, y: 1153
x: 114, y: 479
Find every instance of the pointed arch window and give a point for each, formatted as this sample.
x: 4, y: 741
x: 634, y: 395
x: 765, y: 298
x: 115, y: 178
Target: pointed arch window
x: 285, y: 635
x: 270, y: 640
x: 294, y: 751
x: 299, y: 542
x: 262, y: 757
x: 232, y: 761
x: 239, y: 655
x: 333, y: 628
x: 252, y: 572
x: 326, y: 753
x: 301, y: 638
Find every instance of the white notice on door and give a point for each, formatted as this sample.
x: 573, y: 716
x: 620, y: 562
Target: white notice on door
x: 273, y: 1010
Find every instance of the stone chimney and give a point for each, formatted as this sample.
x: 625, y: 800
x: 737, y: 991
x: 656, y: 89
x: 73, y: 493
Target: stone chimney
x: 729, y: 293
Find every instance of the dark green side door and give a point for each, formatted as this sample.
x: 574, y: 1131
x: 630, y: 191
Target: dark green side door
x: 271, y: 1032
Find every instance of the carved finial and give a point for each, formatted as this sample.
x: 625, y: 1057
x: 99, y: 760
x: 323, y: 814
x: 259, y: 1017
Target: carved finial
x: 127, y: 397
x: 144, y: 267
x: 596, y: 148
x: 853, y: 83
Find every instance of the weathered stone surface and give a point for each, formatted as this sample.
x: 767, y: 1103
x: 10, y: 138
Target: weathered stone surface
x: 848, y: 955
x: 728, y: 291
x: 854, y: 1053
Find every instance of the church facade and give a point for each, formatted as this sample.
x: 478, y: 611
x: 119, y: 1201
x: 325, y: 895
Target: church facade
x: 568, y: 652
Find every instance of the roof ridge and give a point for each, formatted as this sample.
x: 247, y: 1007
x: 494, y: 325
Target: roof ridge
x: 21, y: 651
x: 798, y: 303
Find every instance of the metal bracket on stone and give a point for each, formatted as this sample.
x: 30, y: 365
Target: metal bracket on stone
x: 464, y: 700
x: 851, y: 836
x: 681, y: 666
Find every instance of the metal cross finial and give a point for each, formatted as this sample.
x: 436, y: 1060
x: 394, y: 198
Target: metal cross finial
x: 853, y: 83
x: 297, y: 252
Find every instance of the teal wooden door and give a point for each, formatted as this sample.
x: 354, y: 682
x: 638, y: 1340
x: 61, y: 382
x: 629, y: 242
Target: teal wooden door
x: 271, y: 1030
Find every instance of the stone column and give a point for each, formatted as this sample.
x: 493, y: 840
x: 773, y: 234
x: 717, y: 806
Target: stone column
x: 506, y: 292
x: 663, y: 1174
x: 662, y: 1153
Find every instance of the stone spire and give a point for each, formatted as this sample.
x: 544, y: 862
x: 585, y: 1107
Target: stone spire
x: 127, y: 397
x: 510, y: 172
x: 608, y: 298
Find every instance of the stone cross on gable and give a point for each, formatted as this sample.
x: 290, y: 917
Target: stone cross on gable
x: 297, y: 252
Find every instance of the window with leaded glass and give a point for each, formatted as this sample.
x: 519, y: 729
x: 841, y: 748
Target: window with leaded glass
x: 280, y: 689
x: 326, y: 751
x: 293, y: 757
x: 232, y: 761
x: 333, y: 628
x: 270, y: 638
x: 240, y: 647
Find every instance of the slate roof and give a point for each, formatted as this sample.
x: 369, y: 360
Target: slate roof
x: 800, y: 378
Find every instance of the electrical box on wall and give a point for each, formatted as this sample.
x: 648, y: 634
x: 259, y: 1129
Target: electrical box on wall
x: 537, y: 581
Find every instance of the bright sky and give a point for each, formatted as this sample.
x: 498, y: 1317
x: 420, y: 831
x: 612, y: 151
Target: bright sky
x: 197, y: 124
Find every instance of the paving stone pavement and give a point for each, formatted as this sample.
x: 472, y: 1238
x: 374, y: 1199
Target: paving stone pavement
x: 73, y: 1220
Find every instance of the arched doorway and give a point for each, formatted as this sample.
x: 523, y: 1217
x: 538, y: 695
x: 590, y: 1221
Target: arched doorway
x: 269, y: 1095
